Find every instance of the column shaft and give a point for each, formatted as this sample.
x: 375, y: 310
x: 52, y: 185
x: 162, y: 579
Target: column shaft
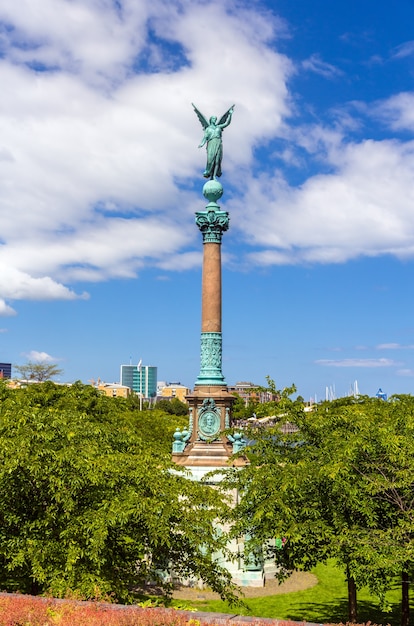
x: 211, y: 289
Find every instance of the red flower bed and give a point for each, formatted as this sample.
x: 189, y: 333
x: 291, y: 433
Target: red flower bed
x: 20, y: 610
x: 29, y: 611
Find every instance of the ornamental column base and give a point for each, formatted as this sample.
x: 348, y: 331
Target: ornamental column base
x: 205, y: 444
x: 211, y: 361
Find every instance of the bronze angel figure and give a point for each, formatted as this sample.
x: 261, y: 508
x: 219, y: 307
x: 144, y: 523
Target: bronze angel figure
x: 212, y: 136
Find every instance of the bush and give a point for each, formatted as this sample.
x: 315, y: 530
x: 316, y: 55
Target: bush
x: 18, y: 610
x: 21, y: 610
x: 88, y: 502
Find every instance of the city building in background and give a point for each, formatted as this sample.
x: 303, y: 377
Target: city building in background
x: 173, y: 390
x: 249, y: 391
x: 5, y: 370
x: 142, y: 379
x: 114, y: 390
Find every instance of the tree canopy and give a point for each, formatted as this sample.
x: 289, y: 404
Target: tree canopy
x: 174, y: 406
x: 38, y: 372
x: 341, y: 486
x: 89, y: 503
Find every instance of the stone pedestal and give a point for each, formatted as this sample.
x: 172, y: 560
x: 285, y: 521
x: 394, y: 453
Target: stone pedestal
x: 206, y: 445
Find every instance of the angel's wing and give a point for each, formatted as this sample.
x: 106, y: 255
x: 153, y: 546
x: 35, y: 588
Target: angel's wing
x: 225, y: 116
x: 204, y: 122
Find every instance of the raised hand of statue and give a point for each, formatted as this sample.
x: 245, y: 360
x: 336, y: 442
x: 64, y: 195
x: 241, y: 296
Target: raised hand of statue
x: 212, y: 136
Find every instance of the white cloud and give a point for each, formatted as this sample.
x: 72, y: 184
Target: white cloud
x: 357, y: 362
x: 95, y: 148
x: 18, y: 285
x: 398, y: 111
x: 5, y: 309
x: 317, y: 65
x: 405, y: 372
x: 362, y: 208
x: 40, y: 357
x: 182, y: 261
x: 88, y: 38
x: 394, y: 346
x: 92, y: 147
x: 404, y: 50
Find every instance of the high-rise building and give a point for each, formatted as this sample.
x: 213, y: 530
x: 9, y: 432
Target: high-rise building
x: 140, y: 378
x: 5, y: 370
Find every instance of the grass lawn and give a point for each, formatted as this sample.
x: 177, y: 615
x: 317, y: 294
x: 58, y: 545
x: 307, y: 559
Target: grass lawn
x: 327, y: 602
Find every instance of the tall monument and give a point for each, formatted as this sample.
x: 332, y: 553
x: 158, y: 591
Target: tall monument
x: 207, y: 444
x: 203, y: 444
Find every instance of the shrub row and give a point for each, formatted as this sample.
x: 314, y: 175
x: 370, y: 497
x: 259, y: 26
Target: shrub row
x: 20, y: 610
x: 16, y: 610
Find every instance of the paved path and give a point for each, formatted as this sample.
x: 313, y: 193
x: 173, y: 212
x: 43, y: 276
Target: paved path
x: 298, y: 581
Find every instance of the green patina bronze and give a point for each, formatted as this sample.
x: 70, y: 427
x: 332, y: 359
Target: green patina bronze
x: 238, y: 440
x: 212, y: 223
x: 208, y: 420
x: 212, y: 191
x: 181, y: 437
x: 211, y: 360
x: 213, y: 138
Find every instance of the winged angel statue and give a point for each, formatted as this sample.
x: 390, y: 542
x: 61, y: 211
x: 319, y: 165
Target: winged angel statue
x: 212, y: 136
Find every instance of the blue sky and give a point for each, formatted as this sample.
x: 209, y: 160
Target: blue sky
x: 100, y: 177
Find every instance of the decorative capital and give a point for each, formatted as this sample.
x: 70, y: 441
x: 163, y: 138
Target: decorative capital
x: 212, y: 223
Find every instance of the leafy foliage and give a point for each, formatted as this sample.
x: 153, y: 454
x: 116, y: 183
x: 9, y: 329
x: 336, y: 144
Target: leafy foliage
x: 90, y: 504
x: 342, y: 487
x: 173, y: 406
x: 18, y: 610
x: 325, y: 602
x: 38, y: 372
x: 254, y: 408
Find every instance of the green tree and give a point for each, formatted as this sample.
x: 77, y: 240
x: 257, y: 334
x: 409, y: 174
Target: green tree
x: 381, y: 458
x: 38, y: 372
x: 271, y: 408
x: 89, y: 504
x: 239, y: 407
x: 179, y: 407
x: 242, y: 409
x: 342, y: 487
x: 253, y: 407
x: 173, y: 406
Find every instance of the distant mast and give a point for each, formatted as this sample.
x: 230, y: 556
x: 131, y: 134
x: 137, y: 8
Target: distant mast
x: 354, y: 390
x: 330, y: 393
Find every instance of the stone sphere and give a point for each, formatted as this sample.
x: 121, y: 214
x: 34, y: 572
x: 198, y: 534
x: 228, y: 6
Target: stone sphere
x: 212, y: 190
